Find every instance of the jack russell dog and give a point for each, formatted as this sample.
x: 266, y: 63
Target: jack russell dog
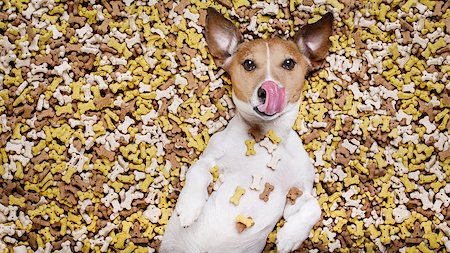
x: 265, y: 172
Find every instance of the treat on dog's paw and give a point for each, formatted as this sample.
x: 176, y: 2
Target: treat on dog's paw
x: 266, y: 143
x: 235, y: 199
x: 256, y: 182
x: 215, y: 176
x: 293, y: 194
x: 273, y: 137
x: 268, y: 188
x: 243, y: 222
x: 250, y: 147
x: 274, y: 161
x: 215, y: 173
x: 256, y: 134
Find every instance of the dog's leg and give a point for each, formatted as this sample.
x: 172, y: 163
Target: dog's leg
x: 195, y: 193
x: 300, y: 218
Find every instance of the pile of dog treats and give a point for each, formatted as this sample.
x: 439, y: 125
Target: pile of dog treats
x: 104, y: 105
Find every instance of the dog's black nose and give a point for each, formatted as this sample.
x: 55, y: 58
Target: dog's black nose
x: 262, y: 95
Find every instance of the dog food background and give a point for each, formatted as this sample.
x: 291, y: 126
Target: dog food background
x: 105, y: 104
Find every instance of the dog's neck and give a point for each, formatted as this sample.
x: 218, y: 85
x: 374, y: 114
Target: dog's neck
x: 281, y: 125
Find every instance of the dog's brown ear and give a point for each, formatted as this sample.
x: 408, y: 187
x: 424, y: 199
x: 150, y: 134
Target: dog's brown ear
x: 313, y: 39
x: 222, y: 36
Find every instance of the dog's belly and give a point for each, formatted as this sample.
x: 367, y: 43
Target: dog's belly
x: 219, y: 214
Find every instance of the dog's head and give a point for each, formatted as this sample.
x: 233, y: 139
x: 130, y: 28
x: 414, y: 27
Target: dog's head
x: 267, y: 75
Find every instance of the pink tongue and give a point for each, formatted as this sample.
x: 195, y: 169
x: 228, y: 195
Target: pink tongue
x: 275, y: 98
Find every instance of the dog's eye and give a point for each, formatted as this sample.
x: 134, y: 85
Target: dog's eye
x: 288, y: 64
x: 249, y: 65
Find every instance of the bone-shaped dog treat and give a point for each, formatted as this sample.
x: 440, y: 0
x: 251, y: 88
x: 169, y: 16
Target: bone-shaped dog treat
x: 250, y: 147
x: 266, y: 143
x: 256, y: 134
x: 268, y: 188
x: 235, y: 199
x: 273, y: 137
x: 276, y: 156
x: 293, y: 194
x: 243, y: 222
x: 256, y: 182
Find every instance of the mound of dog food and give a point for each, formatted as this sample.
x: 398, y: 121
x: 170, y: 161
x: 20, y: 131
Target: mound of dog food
x: 104, y: 105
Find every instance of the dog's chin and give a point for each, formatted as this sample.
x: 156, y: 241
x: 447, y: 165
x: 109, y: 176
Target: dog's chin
x: 264, y: 116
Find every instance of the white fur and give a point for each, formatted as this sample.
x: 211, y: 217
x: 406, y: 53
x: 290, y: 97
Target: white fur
x: 207, y: 224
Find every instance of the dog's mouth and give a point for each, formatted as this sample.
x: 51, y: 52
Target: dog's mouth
x: 261, y: 113
x: 272, y: 98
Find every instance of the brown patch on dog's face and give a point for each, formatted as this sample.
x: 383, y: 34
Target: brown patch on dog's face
x: 268, y: 56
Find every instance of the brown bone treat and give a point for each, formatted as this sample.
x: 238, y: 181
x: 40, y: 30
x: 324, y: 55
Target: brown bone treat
x: 57, y: 43
x: 57, y: 245
x: 240, y: 227
x: 102, y: 152
x: 406, y: 37
x: 359, y: 44
x: 73, y: 48
x: 210, y: 188
x: 311, y: 136
x: 428, y: 109
x: 116, y: 8
x: 43, y: 156
x: 255, y: 132
x: 76, y: 180
x: 127, y: 213
x: 380, y: 80
x: 33, y: 197
x: 163, y: 13
x: 103, y: 28
x: 136, y: 231
x: 39, y: 59
x: 406, y: 26
x: 89, y: 64
x: 447, y: 22
x: 11, y: 37
x: 179, y: 54
x: 268, y: 188
x: 140, y: 240
x: 32, y: 239
x: 445, y: 98
x: 40, y: 222
x: 444, y: 154
x: 167, y: 84
x: 173, y: 160
x: 413, y: 240
x: 226, y: 3
x: 48, y: 113
x: 187, y: 50
x: 102, y: 102
x: 106, y: 4
x: 293, y: 194
x: 341, y: 159
x: 181, y: 6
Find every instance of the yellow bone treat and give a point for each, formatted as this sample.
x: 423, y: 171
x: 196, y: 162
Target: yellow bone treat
x: 250, y: 147
x: 243, y: 222
x: 235, y: 199
x: 273, y: 137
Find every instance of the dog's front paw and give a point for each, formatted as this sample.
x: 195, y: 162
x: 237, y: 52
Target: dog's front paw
x: 188, y: 210
x: 288, y: 241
